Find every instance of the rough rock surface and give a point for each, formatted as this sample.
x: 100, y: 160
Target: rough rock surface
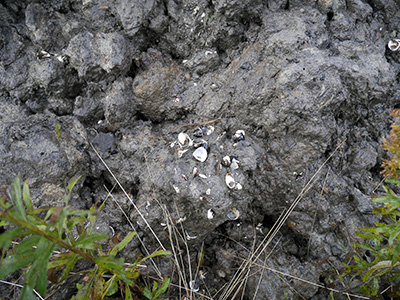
x: 122, y: 79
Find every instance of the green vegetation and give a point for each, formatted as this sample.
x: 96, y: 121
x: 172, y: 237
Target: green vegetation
x: 34, y: 235
x: 382, y: 242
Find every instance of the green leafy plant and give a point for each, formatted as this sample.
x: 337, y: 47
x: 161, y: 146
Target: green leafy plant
x: 383, y: 244
x: 156, y: 292
x: 72, y: 233
x: 378, y: 259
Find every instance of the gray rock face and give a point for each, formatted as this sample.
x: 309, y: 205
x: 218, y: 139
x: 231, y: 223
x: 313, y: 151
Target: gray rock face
x: 91, y: 55
x: 269, y: 90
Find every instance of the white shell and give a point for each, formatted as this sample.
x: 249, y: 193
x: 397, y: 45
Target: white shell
x: 230, y: 182
x: 234, y: 164
x: 226, y: 160
x: 200, y: 154
x: 210, y: 130
x: 210, y: 214
x: 234, y: 214
x: 195, y: 172
x: 188, y: 237
x: 180, y: 152
x: 208, y: 192
x: 238, y: 186
x: 184, y: 140
x: 240, y: 132
x: 394, y: 44
x: 176, y: 189
x: 193, y: 286
x: 180, y: 220
x: 203, y: 176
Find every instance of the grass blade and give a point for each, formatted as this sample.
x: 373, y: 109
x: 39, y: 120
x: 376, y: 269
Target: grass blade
x: 16, y: 197
x: 27, y: 293
x: 121, y: 245
x: 37, y: 274
x: 27, y: 197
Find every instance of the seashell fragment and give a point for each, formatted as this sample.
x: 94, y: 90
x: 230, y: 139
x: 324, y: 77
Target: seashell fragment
x: 234, y: 164
x: 238, y: 186
x: 226, y: 161
x: 198, y: 132
x: 230, y: 182
x: 184, y: 141
x: 238, y: 136
x: 195, y: 172
x: 188, y: 237
x: 200, y: 154
x: 209, y: 130
x: 180, y: 220
x: 234, y: 214
x: 203, y: 176
x: 181, y: 152
x: 208, y: 192
x: 194, y: 286
x: 210, y: 214
x: 176, y: 189
x: 394, y: 44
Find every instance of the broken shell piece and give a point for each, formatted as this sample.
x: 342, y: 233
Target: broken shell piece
x: 226, y: 161
x: 230, y: 182
x: 209, y: 130
x: 208, y: 192
x: 210, y: 214
x: 180, y: 152
x: 176, y: 189
x: 234, y: 164
x: 200, y: 154
x: 234, y: 214
x: 194, y: 286
x: 180, y: 220
x: 195, y: 172
x: 203, y: 176
x: 198, y: 132
x: 201, y: 143
x: 238, y: 136
x: 238, y: 186
x: 184, y: 141
x: 394, y: 44
x: 188, y: 237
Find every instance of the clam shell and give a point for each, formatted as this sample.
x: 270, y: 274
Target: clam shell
x: 234, y: 164
x: 195, y: 172
x: 394, y: 44
x: 238, y: 136
x: 200, y: 154
x: 184, y: 140
x: 226, y: 161
x: 234, y: 214
x: 198, y: 132
x: 194, y: 286
x: 209, y: 130
x: 230, y: 182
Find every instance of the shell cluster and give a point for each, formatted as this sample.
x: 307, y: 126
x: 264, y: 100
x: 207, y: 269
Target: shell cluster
x: 185, y: 143
x: 201, y: 151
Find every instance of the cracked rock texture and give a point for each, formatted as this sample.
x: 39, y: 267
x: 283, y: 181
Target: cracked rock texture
x: 121, y: 79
